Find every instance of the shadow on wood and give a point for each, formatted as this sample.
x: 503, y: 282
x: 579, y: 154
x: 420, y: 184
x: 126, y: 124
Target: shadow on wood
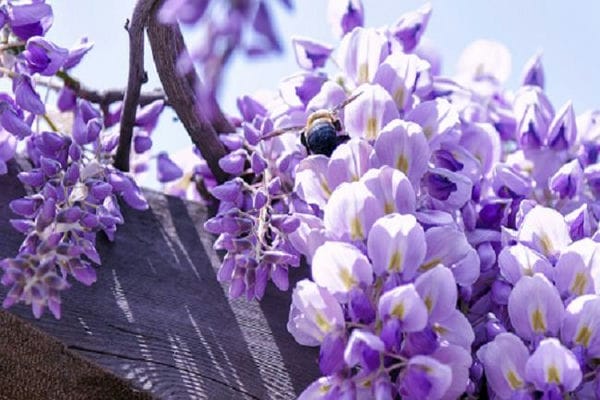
x: 158, y: 317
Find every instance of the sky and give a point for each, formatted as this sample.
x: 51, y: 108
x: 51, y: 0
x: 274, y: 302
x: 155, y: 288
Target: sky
x: 566, y: 33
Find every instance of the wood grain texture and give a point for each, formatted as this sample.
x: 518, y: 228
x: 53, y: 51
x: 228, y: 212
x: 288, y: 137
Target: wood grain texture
x: 158, y: 317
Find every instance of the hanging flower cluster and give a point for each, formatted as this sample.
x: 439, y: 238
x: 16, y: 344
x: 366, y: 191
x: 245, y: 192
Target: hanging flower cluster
x: 226, y: 27
x: 452, y: 238
x: 72, y: 187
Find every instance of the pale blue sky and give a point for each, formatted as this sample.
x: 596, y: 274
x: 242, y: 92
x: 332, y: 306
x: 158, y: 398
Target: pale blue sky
x: 567, y: 32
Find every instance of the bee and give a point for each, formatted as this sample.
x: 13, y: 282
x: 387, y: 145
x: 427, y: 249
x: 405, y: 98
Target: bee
x: 320, y: 135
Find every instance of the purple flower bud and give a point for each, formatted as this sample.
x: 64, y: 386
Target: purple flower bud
x: 567, y: 180
x: 508, y: 182
x: 26, y: 97
x: 425, y: 378
x: 562, y: 132
x: 500, y: 292
x: 147, y: 116
x: 94, y: 126
x: 67, y: 99
x: 279, y: 275
x: 128, y: 189
x: 263, y: 27
x: 141, y: 144
x: 234, y: 162
x: 251, y: 133
x: 71, y: 175
x: 344, y: 15
x: 75, y: 152
x: 90, y: 251
x: 100, y: 190
x: 12, y: 122
x: 51, y: 143
x: 360, y: 308
x: 77, y: 52
x: 237, y: 287
x: 33, y: 178
x: 69, y: 215
x: 277, y: 257
x: 167, y: 170
x: 257, y: 163
x: 274, y: 186
x: 25, y: 207
x: 228, y: 191
x: 88, y: 111
x: 49, y: 167
x: 533, y: 112
x: 364, y: 348
x: 236, y: 225
x: 27, y: 20
x: 232, y: 141
x: 22, y: 225
x: 580, y: 222
x: 391, y: 334
x: 310, y: 54
x: 214, y: 225
x: 250, y: 108
x: 331, y: 354
x: 43, y: 56
x: 85, y: 130
x: 285, y: 223
x: 83, y: 272
x: 422, y: 342
x: 46, y: 214
x: 260, y: 199
x: 409, y: 28
x: 533, y: 72
x: 89, y: 220
x: 493, y: 327
x: 187, y: 11
x: 226, y: 270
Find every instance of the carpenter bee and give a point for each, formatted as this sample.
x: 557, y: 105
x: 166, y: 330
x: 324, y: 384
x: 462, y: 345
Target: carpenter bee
x: 320, y: 134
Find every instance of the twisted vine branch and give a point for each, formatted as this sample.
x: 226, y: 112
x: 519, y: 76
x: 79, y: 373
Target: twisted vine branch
x: 167, y: 44
x: 136, y: 77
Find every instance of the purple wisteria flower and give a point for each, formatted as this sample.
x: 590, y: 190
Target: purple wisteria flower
x: 72, y: 187
x: 451, y: 235
x: 28, y: 18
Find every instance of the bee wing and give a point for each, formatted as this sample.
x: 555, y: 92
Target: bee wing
x: 281, y: 131
x: 345, y: 103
